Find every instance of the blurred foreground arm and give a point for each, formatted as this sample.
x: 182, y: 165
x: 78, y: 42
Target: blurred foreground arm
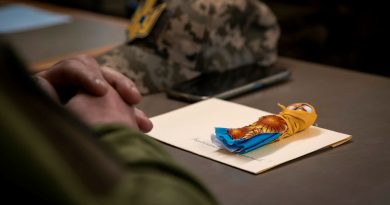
x: 50, y: 157
x: 104, y: 99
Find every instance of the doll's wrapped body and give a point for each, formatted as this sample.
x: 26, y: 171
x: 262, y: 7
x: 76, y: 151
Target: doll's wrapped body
x: 269, y: 128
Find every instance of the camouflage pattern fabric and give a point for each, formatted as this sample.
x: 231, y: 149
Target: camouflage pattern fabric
x: 197, y: 36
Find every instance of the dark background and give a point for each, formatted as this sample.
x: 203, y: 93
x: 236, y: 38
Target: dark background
x: 347, y: 34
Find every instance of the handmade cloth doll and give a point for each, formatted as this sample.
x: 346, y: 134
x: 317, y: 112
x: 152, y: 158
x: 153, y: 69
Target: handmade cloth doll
x: 267, y: 129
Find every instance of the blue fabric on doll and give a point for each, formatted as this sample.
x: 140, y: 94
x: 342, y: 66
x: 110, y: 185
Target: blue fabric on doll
x: 242, y: 146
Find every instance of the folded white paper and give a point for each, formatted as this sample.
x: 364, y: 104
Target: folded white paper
x: 190, y: 127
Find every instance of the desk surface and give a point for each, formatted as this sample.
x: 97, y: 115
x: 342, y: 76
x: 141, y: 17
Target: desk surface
x: 87, y: 33
x: 357, y: 172
x: 349, y: 102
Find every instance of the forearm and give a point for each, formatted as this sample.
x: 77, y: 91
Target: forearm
x: 151, y: 174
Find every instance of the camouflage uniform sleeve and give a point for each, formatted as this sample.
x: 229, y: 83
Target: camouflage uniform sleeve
x: 151, y: 176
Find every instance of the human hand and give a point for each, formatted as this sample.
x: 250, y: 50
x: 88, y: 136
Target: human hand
x: 80, y: 79
x: 82, y: 73
x: 109, y: 108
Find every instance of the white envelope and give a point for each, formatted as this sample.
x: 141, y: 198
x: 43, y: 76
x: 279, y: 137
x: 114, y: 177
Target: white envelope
x: 190, y: 127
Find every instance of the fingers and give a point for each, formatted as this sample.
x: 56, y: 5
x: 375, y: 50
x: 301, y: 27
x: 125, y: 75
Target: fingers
x: 144, y: 123
x: 85, y: 87
x: 47, y: 87
x: 123, y: 85
x: 83, y: 73
x: 106, y: 109
x: 80, y: 72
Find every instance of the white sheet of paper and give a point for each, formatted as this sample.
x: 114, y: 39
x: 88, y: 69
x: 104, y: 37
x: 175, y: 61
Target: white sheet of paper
x: 20, y: 17
x: 190, y: 127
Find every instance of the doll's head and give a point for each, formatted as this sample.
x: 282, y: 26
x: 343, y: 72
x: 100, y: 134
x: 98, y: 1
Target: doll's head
x: 298, y: 116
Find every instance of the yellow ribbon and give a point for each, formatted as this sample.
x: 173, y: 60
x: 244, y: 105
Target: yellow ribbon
x: 297, y: 120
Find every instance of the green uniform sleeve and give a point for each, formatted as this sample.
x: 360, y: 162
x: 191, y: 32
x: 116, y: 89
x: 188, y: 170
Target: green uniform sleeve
x: 151, y: 176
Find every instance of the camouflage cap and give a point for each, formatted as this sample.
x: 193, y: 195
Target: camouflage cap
x: 198, y: 36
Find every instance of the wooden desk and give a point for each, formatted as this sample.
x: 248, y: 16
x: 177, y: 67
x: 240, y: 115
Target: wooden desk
x: 350, y: 102
x: 87, y: 33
